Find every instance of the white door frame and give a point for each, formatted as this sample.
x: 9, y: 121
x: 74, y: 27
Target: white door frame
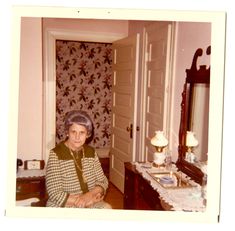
x: 49, y: 75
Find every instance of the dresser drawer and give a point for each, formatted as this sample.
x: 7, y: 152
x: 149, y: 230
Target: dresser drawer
x: 30, y: 187
x: 147, y: 194
x: 138, y: 193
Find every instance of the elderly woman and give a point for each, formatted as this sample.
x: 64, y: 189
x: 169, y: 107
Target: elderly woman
x: 74, y: 176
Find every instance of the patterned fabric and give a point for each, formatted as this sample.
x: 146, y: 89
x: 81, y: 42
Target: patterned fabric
x: 84, y: 82
x: 62, y: 178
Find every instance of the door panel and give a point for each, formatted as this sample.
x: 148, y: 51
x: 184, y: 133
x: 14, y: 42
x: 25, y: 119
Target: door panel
x: 125, y: 66
x: 157, y: 46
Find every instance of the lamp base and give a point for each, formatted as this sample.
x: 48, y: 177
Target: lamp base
x: 190, y: 157
x: 159, y: 158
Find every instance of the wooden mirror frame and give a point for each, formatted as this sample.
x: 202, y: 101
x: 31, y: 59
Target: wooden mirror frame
x: 193, y: 76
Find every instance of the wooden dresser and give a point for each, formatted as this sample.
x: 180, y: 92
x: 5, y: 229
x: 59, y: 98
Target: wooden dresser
x: 138, y: 193
x: 30, y: 184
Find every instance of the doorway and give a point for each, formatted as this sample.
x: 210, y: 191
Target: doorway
x: 84, y: 82
x: 49, y: 48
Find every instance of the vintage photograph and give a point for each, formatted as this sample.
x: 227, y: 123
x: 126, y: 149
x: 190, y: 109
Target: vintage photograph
x: 117, y: 112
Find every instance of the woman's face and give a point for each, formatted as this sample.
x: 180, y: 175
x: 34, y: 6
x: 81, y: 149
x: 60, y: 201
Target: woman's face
x: 77, y: 136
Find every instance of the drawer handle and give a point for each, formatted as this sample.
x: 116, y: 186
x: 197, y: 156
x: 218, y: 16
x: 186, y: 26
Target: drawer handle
x: 35, y: 182
x: 18, y: 188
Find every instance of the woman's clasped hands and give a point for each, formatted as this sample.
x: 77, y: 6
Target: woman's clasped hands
x: 84, y: 200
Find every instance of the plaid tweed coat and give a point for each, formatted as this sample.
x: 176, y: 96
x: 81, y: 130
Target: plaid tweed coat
x: 63, y: 178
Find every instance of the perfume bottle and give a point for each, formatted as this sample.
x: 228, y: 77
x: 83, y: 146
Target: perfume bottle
x: 168, y: 161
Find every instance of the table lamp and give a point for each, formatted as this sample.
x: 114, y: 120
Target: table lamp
x: 159, y: 141
x: 191, y: 142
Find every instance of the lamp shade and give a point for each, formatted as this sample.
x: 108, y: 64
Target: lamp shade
x: 159, y: 140
x: 191, y: 141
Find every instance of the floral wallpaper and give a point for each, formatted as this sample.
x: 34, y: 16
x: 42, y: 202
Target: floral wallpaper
x: 83, y: 81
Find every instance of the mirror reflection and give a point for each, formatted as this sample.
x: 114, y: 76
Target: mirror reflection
x: 199, y: 118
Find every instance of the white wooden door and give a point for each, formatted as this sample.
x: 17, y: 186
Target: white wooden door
x: 157, y: 111
x: 124, y: 106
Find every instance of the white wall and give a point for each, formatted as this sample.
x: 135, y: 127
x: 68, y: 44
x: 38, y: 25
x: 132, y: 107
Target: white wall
x: 110, y: 26
x: 190, y: 37
x: 30, y: 94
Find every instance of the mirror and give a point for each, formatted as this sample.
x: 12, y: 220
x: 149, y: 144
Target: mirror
x: 195, y: 118
x: 199, y: 118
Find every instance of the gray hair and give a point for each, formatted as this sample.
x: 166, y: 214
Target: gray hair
x: 80, y: 118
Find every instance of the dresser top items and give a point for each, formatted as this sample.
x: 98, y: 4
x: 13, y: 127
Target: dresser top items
x: 174, y: 187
